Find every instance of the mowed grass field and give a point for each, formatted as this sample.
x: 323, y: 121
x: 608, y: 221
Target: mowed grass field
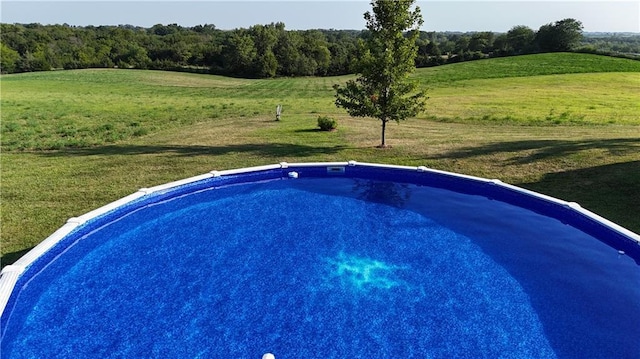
x: 567, y: 125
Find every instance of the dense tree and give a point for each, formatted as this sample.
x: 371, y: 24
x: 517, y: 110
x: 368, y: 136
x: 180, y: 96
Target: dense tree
x: 563, y: 35
x: 500, y: 45
x: 8, y: 59
x: 482, y: 42
x: 383, y: 89
x: 286, y: 52
x: 270, y: 50
x: 604, y: 43
x: 462, y: 44
x: 343, y: 51
x: 520, y: 40
x: 240, y: 54
x: 265, y: 38
x: 429, y: 54
x: 315, y: 49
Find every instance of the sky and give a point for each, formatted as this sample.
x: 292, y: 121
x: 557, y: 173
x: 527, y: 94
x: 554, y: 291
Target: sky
x: 442, y: 15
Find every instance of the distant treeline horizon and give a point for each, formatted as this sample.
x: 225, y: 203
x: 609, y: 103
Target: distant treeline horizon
x: 264, y: 51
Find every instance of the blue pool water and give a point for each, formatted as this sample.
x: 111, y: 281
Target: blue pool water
x: 331, y: 268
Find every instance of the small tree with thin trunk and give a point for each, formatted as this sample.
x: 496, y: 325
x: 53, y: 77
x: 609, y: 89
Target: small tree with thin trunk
x: 383, y: 89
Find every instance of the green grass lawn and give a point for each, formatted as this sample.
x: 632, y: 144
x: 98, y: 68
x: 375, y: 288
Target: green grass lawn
x: 566, y: 125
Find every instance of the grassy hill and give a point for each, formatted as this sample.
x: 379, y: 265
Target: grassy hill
x: 563, y: 124
x: 527, y: 66
x: 55, y: 110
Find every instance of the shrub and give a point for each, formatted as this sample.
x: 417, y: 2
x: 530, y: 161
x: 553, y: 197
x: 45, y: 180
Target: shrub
x: 327, y: 123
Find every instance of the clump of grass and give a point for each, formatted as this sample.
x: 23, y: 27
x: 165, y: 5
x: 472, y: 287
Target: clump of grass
x: 10, y: 127
x: 140, y: 132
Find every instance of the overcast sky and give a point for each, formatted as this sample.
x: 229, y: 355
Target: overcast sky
x: 451, y: 15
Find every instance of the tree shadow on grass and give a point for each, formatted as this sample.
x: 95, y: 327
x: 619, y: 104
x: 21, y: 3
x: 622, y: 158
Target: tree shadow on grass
x: 535, y: 150
x: 10, y: 258
x: 276, y: 150
x: 611, y: 191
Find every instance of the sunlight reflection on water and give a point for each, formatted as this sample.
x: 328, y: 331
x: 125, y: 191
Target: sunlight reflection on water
x: 364, y: 273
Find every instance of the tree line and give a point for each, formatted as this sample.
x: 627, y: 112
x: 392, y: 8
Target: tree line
x: 261, y: 51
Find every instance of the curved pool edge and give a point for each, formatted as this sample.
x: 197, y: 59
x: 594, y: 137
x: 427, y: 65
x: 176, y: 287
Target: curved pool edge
x: 11, y: 274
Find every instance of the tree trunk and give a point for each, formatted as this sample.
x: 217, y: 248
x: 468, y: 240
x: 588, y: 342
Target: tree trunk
x: 384, y: 125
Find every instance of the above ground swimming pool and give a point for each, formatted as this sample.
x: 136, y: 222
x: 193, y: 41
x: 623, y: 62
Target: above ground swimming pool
x: 328, y: 260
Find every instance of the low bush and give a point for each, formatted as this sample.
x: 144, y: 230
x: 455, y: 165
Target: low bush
x: 327, y: 123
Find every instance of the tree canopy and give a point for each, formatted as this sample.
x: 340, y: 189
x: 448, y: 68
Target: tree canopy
x: 263, y: 51
x: 563, y: 35
x: 383, y: 89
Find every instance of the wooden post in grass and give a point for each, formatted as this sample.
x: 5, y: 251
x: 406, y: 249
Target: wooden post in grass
x: 278, y: 112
